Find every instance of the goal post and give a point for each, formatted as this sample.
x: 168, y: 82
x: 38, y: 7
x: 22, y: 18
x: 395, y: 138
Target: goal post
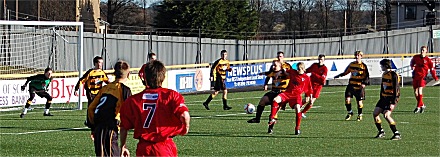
x: 28, y: 47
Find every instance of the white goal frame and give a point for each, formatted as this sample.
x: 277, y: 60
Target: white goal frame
x: 80, y: 51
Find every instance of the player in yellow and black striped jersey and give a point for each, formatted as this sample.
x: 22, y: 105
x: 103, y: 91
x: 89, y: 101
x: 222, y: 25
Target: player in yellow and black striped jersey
x: 280, y: 81
x: 284, y: 65
x: 93, y: 81
x: 218, y: 75
x: 103, y: 112
x: 359, y: 78
x: 389, y: 96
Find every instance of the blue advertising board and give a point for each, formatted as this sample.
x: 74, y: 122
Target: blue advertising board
x: 245, y: 75
x: 185, y: 82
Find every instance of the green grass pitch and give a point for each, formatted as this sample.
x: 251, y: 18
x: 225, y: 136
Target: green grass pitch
x: 226, y: 133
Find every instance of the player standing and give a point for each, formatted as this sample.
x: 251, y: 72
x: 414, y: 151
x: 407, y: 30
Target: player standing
x: 93, y: 81
x: 318, y: 75
x: 104, y: 112
x: 38, y: 85
x: 299, y: 83
x: 279, y: 84
x: 151, y: 57
x: 218, y: 75
x: 389, y: 96
x: 156, y: 114
x: 359, y: 78
x: 421, y: 64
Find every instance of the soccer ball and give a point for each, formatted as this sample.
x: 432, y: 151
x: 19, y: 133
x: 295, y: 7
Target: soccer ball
x: 249, y: 108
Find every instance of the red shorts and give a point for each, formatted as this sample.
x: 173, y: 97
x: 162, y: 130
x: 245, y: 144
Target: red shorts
x: 290, y: 98
x: 165, y: 148
x: 316, y: 90
x: 418, y: 82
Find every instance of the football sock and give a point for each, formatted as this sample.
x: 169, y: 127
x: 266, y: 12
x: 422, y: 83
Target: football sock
x: 274, y: 109
x: 420, y: 101
x: 225, y: 102
x: 298, y: 120
x: 28, y: 104
x: 393, y: 127
x: 307, y: 108
x: 379, y: 125
x: 348, y: 107
x: 260, y: 110
x: 25, y: 110
x: 46, y: 111
x: 209, y: 99
x: 360, y: 111
x: 48, y: 103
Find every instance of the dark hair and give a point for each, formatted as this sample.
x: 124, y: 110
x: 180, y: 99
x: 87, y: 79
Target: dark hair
x: 122, y: 68
x: 386, y: 63
x: 358, y: 52
x: 154, y: 74
x: 223, y: 51
x: 150, y: 55
x: 280, y: 52
x: 47, y: 70
x: 96, y: 59
x: 321, y: 56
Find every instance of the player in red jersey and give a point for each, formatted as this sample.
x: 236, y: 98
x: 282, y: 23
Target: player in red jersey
x: 156, y: 114
x: 318, y: 75
x: 299, y: 83
x: 151, y: 57
x: 421, y: 64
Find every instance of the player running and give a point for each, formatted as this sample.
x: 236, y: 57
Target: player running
x: 389, y: 96
x: 299, y: 83
x: 156, y: 114
x: 421, y: 64
x: 279, y: 84
x: 359, y: 78
x: 38, y: 85
x: 318, y: 75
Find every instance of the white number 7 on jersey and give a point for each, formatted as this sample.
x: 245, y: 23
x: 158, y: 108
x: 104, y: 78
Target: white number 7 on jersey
x: 150, y: 108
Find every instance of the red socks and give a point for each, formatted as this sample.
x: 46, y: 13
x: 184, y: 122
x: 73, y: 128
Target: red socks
x: 419, y: 100
x: 298, y: 120
x: 307, y: 108
x: 274, y: 109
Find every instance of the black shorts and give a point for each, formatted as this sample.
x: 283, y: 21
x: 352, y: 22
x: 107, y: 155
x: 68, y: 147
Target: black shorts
x: 219, y: 84
x: 106, y: 141
x: 40, y: 93
x: 271, y: 95
x: 385, y: 103
x: 359, y: 94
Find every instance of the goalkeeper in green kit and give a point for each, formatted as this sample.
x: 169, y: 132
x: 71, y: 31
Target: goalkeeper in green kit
x: 38, y: 85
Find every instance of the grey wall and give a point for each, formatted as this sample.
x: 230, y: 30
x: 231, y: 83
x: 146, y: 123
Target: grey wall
x: 174, y: 50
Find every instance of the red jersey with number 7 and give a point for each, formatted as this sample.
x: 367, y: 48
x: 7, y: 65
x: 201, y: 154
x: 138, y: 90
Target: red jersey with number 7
x: 154, y: 114
x: 421, y: 67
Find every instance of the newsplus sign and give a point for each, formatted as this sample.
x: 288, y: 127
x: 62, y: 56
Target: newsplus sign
x: 245, y: 75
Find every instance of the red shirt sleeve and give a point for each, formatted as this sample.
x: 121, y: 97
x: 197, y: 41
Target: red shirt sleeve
x: 141, y: 72
x: 179, y: 105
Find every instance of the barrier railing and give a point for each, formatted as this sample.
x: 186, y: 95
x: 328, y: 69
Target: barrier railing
x: 185, y: 66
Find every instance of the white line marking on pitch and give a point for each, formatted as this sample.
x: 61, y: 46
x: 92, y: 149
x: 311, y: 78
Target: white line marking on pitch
x: 42, y: 131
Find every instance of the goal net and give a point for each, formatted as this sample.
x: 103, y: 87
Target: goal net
x: 29, y: 47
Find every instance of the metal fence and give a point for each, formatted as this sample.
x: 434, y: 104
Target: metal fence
x: 177, y: 50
